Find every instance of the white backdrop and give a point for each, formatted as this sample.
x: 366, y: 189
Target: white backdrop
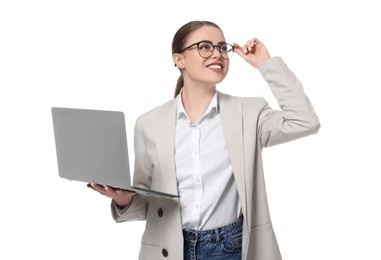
x: 324, y: 190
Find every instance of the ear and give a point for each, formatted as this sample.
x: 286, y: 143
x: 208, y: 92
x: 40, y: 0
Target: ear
x: 178, y: 60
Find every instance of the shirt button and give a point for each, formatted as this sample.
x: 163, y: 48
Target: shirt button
x: 160, y: 212
x: 164, y: 252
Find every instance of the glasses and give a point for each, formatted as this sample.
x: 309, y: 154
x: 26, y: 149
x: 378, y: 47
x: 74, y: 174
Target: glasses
x: 206, y: 49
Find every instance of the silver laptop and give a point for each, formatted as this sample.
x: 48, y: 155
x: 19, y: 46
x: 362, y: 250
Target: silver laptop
x: 91, y: 147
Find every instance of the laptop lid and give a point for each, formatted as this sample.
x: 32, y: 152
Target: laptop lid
x: 91, y: 146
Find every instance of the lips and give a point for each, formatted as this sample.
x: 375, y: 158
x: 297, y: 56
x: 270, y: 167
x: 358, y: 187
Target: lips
x: 215, y: 66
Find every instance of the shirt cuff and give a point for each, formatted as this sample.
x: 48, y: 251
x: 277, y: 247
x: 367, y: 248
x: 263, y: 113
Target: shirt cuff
x: 120, y: 210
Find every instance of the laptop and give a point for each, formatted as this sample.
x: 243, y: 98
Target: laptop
x: 91, y: 146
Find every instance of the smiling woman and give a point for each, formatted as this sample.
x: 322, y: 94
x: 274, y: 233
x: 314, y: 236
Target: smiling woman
x: 206, y: 147
x: 323, y: 190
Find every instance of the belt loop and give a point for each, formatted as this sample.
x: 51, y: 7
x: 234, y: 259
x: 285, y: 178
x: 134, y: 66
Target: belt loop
x: 217, y: 233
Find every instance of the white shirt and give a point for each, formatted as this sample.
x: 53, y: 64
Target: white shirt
x: 209, y: 196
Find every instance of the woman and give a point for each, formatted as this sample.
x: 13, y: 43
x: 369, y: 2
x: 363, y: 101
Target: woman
x: 206, y: 146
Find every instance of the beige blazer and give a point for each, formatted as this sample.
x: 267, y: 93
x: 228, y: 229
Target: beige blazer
x: 249, y: 124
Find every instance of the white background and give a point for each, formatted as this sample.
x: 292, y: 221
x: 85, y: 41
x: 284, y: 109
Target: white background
x: 324, y: 190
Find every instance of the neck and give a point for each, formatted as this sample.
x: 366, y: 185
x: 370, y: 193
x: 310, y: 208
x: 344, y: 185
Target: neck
x: 196, y: 101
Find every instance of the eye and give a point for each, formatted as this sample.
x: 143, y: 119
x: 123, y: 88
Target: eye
x: 205, y: 46
x: 224, y: 47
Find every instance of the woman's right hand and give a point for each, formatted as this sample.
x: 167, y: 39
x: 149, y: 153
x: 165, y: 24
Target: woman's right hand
x: 121, y: 197
x: 254, y: 52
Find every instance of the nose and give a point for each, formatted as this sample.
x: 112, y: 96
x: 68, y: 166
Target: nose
x: 216, y: 53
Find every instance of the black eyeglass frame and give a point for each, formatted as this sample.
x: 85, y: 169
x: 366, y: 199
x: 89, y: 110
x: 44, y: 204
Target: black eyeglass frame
x: 218, y: 47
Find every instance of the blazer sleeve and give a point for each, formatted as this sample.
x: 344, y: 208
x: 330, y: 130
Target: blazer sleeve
x: 296, y: 118
x: 137, y: 210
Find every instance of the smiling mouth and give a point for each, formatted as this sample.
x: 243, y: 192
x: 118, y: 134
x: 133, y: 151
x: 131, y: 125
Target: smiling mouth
x: 214, y: 66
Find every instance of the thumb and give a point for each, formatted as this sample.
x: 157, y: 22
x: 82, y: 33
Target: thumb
x: 238, y: 50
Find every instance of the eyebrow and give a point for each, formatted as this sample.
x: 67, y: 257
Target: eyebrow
x: 219, y: 43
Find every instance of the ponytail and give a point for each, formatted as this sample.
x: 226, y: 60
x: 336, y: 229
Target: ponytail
x: 179, y: 85
x: 179, y: 40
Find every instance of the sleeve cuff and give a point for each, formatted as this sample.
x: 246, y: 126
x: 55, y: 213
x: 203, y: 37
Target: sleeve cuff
x: 120, y: 210
x: 275, y: 63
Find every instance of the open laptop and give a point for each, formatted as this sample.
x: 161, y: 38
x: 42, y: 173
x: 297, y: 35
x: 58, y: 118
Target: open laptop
x: 91, y: 147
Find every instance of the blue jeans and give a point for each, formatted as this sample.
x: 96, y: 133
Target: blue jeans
x: 215, y: 244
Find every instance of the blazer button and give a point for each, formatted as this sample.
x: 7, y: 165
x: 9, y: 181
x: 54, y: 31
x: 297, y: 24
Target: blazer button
x: 164, y: 252
x: 160, y: 212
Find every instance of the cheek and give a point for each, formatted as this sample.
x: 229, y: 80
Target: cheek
x: 227, y: 67
x: 193, y: 58
x: 195, y: 64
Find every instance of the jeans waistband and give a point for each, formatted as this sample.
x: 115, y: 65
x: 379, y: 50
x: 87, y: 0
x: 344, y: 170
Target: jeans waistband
x: 217, y: 234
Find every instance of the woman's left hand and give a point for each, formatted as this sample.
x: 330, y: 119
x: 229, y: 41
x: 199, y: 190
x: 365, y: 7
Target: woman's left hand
x: 254, y: 52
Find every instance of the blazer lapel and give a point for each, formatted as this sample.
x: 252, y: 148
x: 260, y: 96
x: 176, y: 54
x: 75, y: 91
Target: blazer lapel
x: 165, y: 140
x: 232, y: 120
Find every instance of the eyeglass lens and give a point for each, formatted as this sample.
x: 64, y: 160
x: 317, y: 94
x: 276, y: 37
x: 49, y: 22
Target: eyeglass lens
x: 206, y: 49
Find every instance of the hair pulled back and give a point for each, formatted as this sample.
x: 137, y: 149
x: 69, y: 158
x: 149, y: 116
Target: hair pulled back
x: 178, y: 43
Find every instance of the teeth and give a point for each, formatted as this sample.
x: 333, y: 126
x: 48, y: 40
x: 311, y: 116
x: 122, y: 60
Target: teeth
x: 215, y: 66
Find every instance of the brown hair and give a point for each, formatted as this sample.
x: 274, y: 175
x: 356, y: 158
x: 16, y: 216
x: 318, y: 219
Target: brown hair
x: 180, y: 38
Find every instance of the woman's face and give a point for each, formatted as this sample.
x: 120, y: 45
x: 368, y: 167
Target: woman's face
x: 199, y: 70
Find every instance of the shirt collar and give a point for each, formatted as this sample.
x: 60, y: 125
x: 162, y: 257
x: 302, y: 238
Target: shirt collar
x: 212, y: 108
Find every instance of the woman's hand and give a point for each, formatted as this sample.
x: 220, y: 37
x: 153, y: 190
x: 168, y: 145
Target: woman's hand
x: 121, y: 197
x: 254, y: 52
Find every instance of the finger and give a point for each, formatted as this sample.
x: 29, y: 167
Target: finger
x: 250, y: 45
x: 125, y: 192
x: 111, y: 191
x: 256, y: 41
x: 98, y: 188
x: 238, y: 49
x: 90, y: 186
x: 245, y: 48
x: 106, y: 191
x: 118, y: 192
x: 95, y: 187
